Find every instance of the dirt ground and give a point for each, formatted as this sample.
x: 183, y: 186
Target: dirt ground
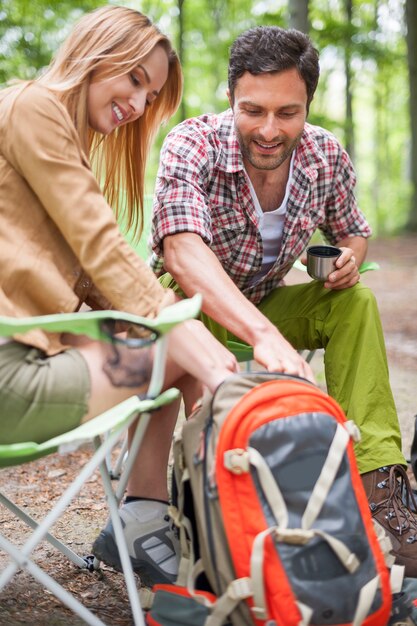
x: 36, y: 485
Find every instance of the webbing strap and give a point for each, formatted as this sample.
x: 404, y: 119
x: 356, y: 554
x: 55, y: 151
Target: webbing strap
x: 270, y: 488
x: 257, y: 573
x: 396, y: 578
x: 327, y: 477
x: 300, y: 536
x: 385, y: 543
x: 345, y: 556
x: 184, y: 531
x: 296, y: 536
x: 366, y: 598
x: 353, y: 431
x: 185, y: 568
x: 238, y: 590
x: 194, y: 573
x: 306, y: 614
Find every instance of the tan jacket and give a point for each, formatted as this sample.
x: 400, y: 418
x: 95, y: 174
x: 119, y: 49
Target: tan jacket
x: 60, y: 245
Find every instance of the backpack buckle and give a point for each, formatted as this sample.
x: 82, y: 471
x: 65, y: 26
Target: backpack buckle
x: 240, y: 589
x: 237, y: 461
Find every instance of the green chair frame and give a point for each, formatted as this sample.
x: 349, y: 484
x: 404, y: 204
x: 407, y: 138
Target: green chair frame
x: 104, y: 431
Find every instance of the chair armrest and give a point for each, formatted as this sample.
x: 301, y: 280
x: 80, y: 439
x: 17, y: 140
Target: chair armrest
x: 92, y: 323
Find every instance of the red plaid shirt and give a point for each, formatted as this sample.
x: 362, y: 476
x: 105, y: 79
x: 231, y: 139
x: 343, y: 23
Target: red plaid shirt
x: 202, y: 188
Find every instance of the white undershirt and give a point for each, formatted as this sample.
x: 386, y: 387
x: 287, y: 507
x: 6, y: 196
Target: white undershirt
x: 271, y: 226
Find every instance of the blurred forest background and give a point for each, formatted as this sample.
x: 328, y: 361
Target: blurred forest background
x: 367, y: 93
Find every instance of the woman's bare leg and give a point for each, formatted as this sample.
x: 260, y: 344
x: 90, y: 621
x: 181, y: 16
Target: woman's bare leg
x: 148, y: 477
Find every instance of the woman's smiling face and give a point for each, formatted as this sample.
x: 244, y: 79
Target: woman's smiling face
x: 122, y: 99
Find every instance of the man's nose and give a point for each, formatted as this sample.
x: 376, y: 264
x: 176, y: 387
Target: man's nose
x: 269, y: 128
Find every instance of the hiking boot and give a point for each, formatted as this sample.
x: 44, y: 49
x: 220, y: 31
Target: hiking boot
x: 151, y: 542
x: 390, y: 496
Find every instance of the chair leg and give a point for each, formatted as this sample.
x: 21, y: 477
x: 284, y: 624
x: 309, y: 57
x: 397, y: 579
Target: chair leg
x: 116, y: 471
x: 310, y: 355
x: 22, y: 556
x: 48, y: 582
x: 129, y: 576
x: 64, y: 549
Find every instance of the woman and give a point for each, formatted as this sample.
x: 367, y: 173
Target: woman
x: 113, y: 82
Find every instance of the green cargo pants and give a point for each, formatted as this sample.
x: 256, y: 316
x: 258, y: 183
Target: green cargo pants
x: 346, y: 324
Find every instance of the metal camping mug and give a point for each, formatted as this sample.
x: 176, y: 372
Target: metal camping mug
x: 321, y: 261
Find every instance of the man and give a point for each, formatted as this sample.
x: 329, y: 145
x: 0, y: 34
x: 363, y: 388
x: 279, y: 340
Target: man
x: 237, y: 199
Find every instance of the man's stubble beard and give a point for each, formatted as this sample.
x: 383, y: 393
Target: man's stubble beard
x: 265, y: 162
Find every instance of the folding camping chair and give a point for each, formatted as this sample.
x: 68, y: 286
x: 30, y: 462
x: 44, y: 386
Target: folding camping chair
x: 103, y: 431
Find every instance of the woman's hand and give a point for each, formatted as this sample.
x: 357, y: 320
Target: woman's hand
x: 199, y: 353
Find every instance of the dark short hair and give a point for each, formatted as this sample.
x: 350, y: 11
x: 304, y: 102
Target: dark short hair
x: 272, y: 49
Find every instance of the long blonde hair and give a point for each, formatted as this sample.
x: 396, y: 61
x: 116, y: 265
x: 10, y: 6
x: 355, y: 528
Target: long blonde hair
x: 113, y: 40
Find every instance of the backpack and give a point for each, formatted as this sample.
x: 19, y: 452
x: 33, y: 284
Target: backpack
x: 273, y: 520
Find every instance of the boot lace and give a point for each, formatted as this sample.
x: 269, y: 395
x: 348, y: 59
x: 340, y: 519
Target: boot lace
x: 397, y: 504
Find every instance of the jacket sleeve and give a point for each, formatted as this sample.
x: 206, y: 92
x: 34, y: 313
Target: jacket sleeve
x: 43, y: 146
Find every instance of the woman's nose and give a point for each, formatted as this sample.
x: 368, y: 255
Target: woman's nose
x: 138, y: 104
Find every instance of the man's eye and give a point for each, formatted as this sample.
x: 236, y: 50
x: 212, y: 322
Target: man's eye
x: 252, y: 112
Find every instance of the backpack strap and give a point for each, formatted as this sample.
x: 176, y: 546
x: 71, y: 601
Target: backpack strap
x: 238, y: 590
x: 238, y: 461
x: 182, y: 523
x: 327, y: 476
x: 366, y: 598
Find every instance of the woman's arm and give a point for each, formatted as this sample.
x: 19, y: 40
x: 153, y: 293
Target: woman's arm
x: 44, y: 148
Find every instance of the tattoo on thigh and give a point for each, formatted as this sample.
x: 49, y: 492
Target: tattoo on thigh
x: 126, y: 367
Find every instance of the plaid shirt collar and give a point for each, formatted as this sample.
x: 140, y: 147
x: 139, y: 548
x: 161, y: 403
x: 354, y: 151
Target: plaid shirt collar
x: 309, y: 157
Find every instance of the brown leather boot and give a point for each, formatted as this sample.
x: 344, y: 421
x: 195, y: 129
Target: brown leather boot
x: 384, y: 488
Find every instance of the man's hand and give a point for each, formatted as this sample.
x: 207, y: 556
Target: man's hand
x: 348, y: 263
x: 277, y: 355
x: 347, y: 272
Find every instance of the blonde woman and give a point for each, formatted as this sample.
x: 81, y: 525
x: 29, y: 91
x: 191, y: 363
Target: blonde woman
x: 112, y: 83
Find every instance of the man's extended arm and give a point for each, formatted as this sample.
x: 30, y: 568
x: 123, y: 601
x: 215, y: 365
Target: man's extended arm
x: 196, y: 269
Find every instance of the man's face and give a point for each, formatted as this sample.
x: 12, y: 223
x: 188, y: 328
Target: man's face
x: 269, y: 112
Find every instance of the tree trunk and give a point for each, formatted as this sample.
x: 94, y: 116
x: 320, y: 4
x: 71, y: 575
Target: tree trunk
x: 411, y: 22
x: 298, y: 15
x: 349, y: 130
x: 181, y: 47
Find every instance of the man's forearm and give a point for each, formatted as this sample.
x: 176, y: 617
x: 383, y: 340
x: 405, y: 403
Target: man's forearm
x: 196, y: 269
x: 359, y: 245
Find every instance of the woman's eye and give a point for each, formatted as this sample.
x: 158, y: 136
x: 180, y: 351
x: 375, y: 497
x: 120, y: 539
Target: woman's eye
x: 135, y: 80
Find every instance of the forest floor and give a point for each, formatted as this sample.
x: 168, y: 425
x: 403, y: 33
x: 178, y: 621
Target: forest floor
x: 36, y: 485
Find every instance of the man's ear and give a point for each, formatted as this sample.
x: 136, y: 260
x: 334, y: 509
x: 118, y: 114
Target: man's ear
x: 229, y: 98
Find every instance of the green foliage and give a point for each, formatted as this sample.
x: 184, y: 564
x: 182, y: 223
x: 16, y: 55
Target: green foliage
x: 31, y: 31
x: 372, y: 41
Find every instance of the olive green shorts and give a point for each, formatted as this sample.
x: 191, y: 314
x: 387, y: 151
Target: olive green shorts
x: 40, y: 396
